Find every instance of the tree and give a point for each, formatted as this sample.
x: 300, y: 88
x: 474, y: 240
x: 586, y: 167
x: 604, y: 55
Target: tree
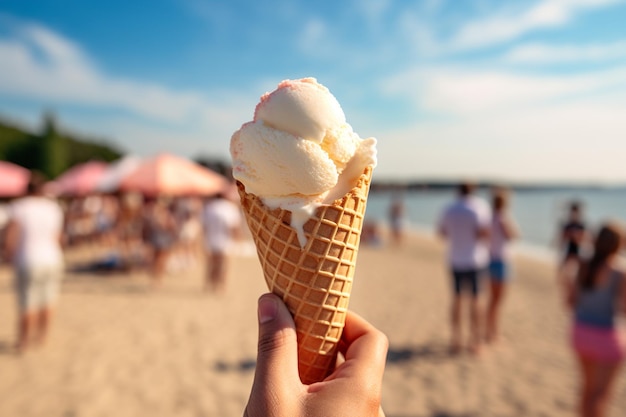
x: 216, y: 164
x: 53, y: 152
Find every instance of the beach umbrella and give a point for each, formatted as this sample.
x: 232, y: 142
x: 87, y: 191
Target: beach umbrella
x: 167, y: 174
x: 79, y: 180
x: 13, y: 179
x: 116, y: 172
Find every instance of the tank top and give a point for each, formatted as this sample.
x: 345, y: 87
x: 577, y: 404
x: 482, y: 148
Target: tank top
x: 498, y: 240
x: 596, y: 306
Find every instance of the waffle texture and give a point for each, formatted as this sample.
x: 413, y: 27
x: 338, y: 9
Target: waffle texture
x: 315, y: 281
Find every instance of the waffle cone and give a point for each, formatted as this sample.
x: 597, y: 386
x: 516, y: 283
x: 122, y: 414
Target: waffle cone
x: 314, y: 281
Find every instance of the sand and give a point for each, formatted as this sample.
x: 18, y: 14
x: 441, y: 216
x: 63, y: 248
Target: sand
x: 120, y: 348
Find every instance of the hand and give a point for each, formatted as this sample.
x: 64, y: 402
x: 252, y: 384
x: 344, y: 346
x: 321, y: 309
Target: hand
x: 353, y: 389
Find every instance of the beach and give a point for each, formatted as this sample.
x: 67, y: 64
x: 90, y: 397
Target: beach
x: 120, y: 347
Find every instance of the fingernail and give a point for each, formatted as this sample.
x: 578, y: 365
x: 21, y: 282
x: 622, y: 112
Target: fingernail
x: 268, y: 309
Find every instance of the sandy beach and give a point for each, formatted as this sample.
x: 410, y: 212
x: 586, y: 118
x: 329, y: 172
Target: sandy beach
x: 120, y: 348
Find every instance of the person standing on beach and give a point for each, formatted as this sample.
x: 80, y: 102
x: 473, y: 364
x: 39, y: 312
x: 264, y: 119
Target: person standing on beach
x: 160, y: 231
x: 596, y: 298
x: 222, y: 223
x: 465, y: 224
x: 572, y: 236
x: 397, y: 220
x: 503, y: 230
x: 33, y: 243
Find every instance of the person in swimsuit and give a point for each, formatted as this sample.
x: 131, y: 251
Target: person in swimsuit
x: 596, y: 298
x: 503, y: 230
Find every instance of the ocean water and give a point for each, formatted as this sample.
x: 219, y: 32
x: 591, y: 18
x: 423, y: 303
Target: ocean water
x: 538, y: 212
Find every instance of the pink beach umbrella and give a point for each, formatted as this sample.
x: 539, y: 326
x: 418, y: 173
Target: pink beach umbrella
x: 168, y: 174
x: 13, y: 179
x: 81, y: 179
x: 116, y: 172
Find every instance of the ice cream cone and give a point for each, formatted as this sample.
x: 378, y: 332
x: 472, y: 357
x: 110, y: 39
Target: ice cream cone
x: 314, y: 281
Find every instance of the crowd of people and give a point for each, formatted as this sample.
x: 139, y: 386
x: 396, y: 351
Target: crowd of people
x: 158, y: 234
x: 151, y: 232
x: 130, y: 232
x: 590, y: 275
x: 478, y: 238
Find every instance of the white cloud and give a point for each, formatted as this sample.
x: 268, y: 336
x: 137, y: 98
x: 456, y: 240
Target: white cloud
x: 509, y: 25
x: 373, y: 11
x: 314, y: 34
x: 547, y: 54
x: 43, y: 66
x: 503, y: 125
x: 217, y: 14
x: 40, y: 64
x: 61, y: 51
x: 419, y: 34
x: 464, y: 93
x: 581, y: 140
x: 145, y: 140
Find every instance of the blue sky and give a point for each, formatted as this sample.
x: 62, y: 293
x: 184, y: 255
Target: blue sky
x: 530, y: 90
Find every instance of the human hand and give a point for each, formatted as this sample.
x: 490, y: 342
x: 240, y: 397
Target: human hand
x: 353, y: 389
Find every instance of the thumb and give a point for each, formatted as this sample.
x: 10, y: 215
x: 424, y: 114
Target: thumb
x: 277, y: 360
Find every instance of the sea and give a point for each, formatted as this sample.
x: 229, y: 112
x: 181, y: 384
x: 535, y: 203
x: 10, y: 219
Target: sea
x: 539, y: 212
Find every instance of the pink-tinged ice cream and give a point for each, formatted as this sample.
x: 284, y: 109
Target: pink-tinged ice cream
x: 299, y: 153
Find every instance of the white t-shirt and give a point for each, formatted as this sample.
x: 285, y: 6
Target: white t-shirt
x: 40, y: 223
x: 461, y: 222
x: 220, y: 217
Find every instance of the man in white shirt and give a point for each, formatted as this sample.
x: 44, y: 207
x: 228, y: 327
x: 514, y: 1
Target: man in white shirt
x: 465, y: 224
x: 34, y: 245
x: 222, y: 223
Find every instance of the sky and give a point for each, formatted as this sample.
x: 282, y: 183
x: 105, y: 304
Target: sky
x: 523, y: 91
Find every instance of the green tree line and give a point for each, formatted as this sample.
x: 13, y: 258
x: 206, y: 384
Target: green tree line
x: 49, y: 151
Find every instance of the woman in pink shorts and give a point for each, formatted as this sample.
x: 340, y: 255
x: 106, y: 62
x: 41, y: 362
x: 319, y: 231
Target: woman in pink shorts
x: 596, y: 299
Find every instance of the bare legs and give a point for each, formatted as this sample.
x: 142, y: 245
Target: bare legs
x: 25, y: 325
x: 161, y: 257
x: 397, y: 236
x: 43, y: 324
x: 493, y: 309
x: 455, y: 345
x: 216, y: 272
x: 597, y: 382
x: 475, y: 324
x: 566, y: 277
x: 33, y: 328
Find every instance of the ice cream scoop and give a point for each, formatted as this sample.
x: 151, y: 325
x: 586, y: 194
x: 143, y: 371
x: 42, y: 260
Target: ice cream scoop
x: 303, y: 177
x: 298, y: 152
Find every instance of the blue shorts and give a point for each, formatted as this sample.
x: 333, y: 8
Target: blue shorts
x: 498, y: 270
x: 467, y: 280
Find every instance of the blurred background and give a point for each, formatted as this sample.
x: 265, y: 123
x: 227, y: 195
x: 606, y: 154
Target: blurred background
x: 526, y: 94
x: 479, y: 88
x: 521, y: 93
